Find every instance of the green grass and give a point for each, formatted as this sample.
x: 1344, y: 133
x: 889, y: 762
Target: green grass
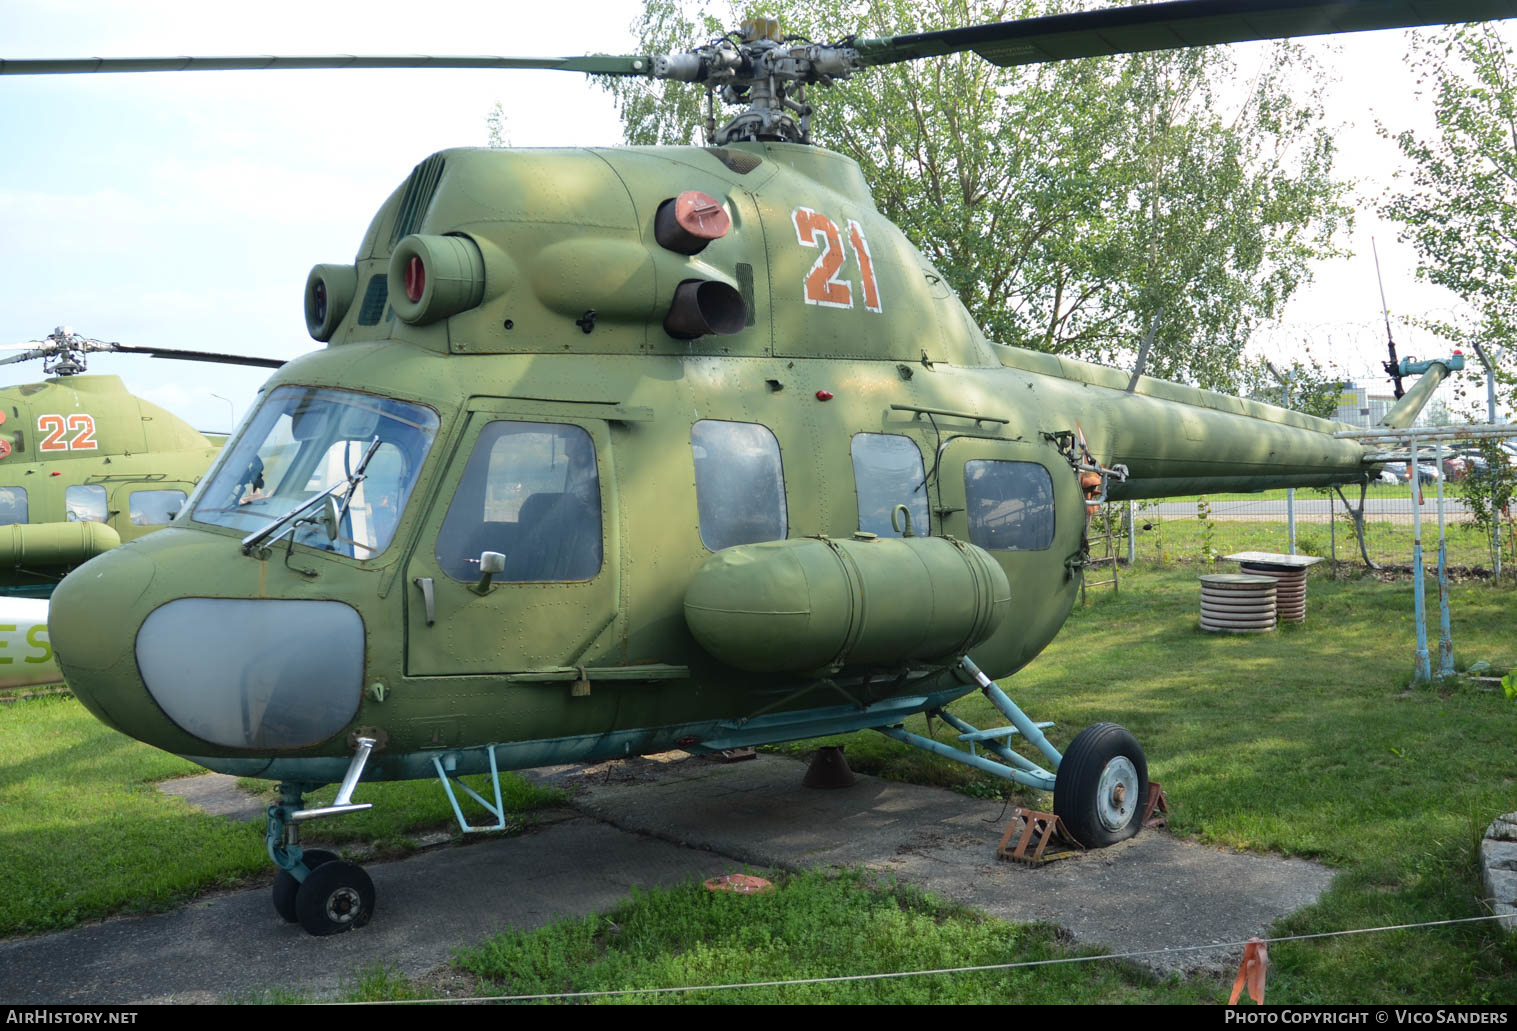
x: 1305, y: 742
x: 815, y: 925
x: 84, y: 833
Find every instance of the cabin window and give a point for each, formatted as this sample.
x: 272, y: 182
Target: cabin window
x: 531, y: 492
x: 12, y: 505
x: 739, y: 483
x: 85, y: 503
x: 887, y: 471
x: 1010, y: 505
x: 154, y: 507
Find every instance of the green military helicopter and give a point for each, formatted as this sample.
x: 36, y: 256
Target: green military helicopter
x: 612, y: 451
x: 85, y: 465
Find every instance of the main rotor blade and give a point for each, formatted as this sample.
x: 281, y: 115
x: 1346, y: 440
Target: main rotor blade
x: 595, y: 64
x: 1166, y: 26
x: 197, y: 356
x: 26, y: 356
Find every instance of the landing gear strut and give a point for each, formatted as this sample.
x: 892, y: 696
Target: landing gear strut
x: 324, y: 894
x: 1100, y: 785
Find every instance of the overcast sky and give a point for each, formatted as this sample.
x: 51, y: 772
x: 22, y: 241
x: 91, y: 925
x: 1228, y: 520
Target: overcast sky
x: 184, y: 210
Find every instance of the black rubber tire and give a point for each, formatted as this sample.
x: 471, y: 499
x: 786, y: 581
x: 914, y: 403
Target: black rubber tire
x: 285, y: 884
x: 1077, y: 786
x: 336, y: 897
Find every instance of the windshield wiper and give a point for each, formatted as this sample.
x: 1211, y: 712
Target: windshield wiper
x: 291, y: 519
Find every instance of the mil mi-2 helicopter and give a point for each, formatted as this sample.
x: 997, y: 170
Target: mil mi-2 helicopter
x: 84, y: 465
x: 612, y: 451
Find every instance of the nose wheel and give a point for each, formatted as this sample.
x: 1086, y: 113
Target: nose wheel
x: 287, y: 885
x: 1101, y: 786
x: 324, y: 894
x: 335, y: 897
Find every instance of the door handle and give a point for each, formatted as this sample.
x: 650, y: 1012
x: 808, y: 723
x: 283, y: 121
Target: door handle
x: 428, y: 598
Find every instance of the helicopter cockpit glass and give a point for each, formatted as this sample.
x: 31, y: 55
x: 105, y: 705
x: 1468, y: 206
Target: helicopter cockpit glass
x: 1010, y: 505
x: 531, y: 492
x: 154, y: 507
x: 302, y: 441
x: 85, y: 503
x: 739, y: 483
x: 887, y: 471
x: 12, y: 505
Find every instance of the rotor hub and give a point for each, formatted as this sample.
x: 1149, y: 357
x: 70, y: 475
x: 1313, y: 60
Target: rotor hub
x: 768, y: 75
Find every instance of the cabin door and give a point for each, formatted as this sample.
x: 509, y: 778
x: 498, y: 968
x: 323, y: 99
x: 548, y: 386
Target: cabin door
x: 532, y: 481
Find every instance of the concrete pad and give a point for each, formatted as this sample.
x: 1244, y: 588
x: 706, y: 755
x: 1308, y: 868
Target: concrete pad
x: 1153, y: 892
x: 234, y: 945
x: 218, y: 794
x: 662, y: 820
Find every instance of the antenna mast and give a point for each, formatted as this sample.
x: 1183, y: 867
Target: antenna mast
x: 1392, y: 367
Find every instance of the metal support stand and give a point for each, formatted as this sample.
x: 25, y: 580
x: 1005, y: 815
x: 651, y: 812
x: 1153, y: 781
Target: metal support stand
x: 1357, y: 515
x: 1445, y: 635
x: 1421, y: 672
x: 1035, y: 831
x: 498, y: 810
x: 1490, y: 413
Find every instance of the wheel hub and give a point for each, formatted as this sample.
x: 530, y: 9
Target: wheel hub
x: 1117, y: 793
x: 343, y: 905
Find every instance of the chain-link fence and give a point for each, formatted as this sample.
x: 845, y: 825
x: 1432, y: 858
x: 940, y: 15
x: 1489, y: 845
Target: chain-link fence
x: 1193, y: 529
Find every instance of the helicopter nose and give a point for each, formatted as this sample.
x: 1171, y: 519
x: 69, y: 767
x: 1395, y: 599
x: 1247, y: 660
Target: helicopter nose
x: 91, y: 624
x: 238, y: 673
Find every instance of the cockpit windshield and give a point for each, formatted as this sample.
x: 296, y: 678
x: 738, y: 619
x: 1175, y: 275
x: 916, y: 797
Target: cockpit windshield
x: 302, y: 441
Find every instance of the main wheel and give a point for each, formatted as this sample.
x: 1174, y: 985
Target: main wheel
x: 1102, y: 786
x: 337, y: 896
x: 285, y: 884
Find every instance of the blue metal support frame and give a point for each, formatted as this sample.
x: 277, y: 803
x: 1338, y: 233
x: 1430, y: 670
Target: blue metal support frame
x: 1421, y: 670
x: 498, y: 810
x: 1002, y: 747
x: 1445, y: 635
x: 1013, y: 766
x: 1036, y: 778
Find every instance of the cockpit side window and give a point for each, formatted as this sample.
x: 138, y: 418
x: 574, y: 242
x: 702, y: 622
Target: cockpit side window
x: 887, y: 471
x: 85, y: 503
x: 530, y: 491
x: 1010, y: 505
x: 154, y: 507
x: 13, y: 507
x: 739, y: 483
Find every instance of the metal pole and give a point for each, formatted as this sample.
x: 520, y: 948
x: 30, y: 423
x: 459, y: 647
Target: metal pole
x: 1332, y: 532
x: 1290, y: 492
x: 1421, y: 671
x: 1490, y: 414
x: 1132, y: 532
x: 1287, y: 381
x: 1445, y: 636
